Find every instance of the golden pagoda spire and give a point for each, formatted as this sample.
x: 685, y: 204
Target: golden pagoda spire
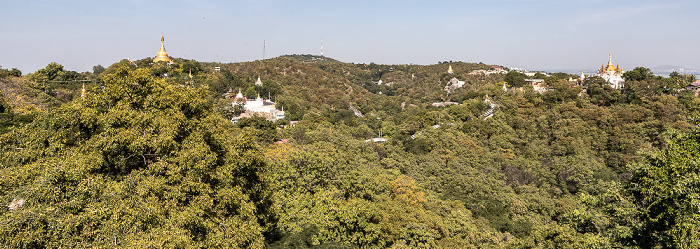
x: 162, y: 55
x: 610, y: 67
x: 82, y: 91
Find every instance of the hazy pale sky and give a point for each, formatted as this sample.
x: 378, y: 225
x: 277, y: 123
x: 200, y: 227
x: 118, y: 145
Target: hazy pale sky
x: 530, y: 34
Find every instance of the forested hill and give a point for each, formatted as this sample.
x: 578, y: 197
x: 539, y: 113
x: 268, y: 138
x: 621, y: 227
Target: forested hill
x: 313, y: 84
x: 147, y: 157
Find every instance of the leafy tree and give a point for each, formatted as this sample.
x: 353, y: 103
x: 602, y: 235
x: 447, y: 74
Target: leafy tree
x: 562, y: 90
x: 4, y: 105
x: 192, y: 66
x: 238, y: 107
x: 266, y: 131
x: 250, y: 92
x: 676, y: 81
x: 600, y: 92
x: 143, y: 63
x: 515, y: 79
x: 686, y: 78
x: 664, y: 188
x: 539, y: 75
x: 638, y: 74
x: 645, y: 90
x: 141, y: 164
x: 561, y: 75
x: 52, y: 71
x: 98, y: 69
x: 14, y: 72
x: 222, y: 82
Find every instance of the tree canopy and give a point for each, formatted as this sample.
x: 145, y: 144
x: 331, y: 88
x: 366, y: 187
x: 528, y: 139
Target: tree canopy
x: 147, y: 157
x: 143, y: 163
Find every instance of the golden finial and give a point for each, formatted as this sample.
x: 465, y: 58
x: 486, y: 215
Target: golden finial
x: 610, y: 67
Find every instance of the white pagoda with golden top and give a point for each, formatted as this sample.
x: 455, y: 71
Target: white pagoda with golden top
x: 612, y: 74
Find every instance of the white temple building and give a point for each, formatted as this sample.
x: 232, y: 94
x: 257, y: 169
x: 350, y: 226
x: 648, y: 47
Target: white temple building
x: 257, y: 107
x: 612, y: 74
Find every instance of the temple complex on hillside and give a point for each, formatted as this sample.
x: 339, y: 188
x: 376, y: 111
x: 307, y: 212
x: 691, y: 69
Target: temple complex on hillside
x: 255, y: 107
x: 612, y: 74
x: 162, y: 55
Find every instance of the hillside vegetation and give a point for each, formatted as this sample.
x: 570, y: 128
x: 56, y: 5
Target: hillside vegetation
x: 147, y: 157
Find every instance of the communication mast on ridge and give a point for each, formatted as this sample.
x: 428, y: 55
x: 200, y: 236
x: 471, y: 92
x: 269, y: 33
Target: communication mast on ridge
x: 264, y: 45
x: 321, y: 46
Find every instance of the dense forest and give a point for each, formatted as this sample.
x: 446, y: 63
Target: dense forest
x: 145, y: 155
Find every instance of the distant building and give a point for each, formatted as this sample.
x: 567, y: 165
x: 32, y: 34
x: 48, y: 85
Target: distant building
x: 578, y: 81
x: 162, y: 55
x: 612, y: 74
x: 532, y: 74
x: 538, y: 84
x: 231, y: 94
x: 694, y: 87
x: 379, y: 139
x: 376, y: 140
x: 257, y: 106
x: 443, y: 104
x: 258, y: 82
x: 492, y: 70
x: 453, y: 84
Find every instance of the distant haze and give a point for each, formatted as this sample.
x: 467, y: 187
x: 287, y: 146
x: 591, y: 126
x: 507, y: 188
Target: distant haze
x: 529, y: 34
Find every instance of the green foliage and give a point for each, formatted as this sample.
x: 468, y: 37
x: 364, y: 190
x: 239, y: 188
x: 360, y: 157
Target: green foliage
x: 52, y: 71
x: 14, y: 72
x: 561, y: 75
x: 265, y: 131
x: 59, y: 85
x: 638, y: 74
x: 98, y: 69
x: 664, y: 188
x: 142, y: 164
x: 515, y: 79
x: 146, y: 159
x: 600, y: 92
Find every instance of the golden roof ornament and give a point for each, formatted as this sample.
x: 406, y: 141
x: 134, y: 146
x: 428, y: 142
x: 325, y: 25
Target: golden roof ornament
x: 610, y: 67
x: 162, y: 55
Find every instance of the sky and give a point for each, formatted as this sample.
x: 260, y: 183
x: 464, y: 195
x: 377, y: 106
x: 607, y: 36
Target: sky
x: 528, y: 34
